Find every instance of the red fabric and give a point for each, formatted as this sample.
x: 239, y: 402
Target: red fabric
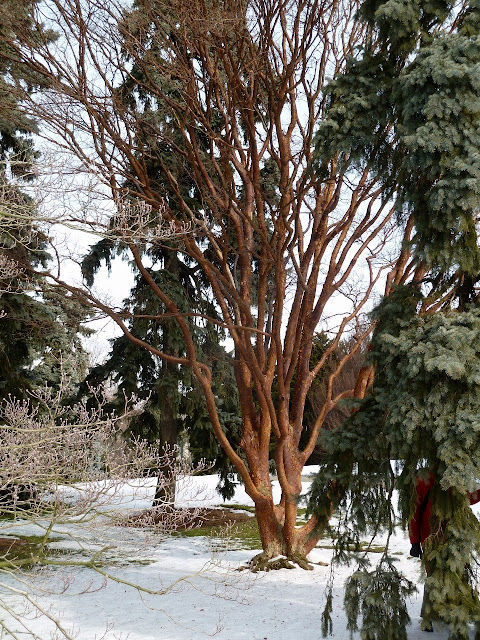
x: 420, y: 522
x: 474, y: 496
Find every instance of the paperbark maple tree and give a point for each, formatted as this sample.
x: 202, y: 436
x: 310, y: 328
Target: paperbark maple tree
x: 285, y: 246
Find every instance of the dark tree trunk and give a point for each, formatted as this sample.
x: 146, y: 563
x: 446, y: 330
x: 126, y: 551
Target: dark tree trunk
x: 168, y: 425
x: 165, y: 492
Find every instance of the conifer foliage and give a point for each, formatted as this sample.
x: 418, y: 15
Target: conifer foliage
x: 174, y: 409
x: 423, y: 410
x: 37, y: 325
x: 408, y: 103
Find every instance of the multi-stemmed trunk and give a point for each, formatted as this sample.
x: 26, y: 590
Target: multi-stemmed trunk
x: 277, y: 522
x: 279, y: 533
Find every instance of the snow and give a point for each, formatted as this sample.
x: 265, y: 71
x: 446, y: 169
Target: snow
x: 195, y: 590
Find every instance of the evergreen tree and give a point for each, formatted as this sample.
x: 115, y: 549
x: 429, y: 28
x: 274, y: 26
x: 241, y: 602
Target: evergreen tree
x: 37, y: 326
x: 408, y: 103
x: 174, y: 407
x: 423, y: 410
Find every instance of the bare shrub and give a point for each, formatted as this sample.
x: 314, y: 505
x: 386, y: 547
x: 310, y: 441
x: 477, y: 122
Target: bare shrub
x: 66, y: 491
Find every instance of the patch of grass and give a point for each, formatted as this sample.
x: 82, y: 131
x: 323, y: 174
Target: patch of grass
x: 245, y: 535
x: 242, y: 535
x: 25, y: 551
x: 237, y: 535
x: 38, y: 540
x: 239, y: 507
x: 301, y: 516
x: 301, y: 513
x: 361, y: 548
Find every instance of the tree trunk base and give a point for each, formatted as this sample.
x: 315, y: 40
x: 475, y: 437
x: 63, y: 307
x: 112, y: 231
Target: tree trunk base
x: 264, y: 562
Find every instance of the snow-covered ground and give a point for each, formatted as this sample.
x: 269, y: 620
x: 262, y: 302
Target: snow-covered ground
x: 209, y: 598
